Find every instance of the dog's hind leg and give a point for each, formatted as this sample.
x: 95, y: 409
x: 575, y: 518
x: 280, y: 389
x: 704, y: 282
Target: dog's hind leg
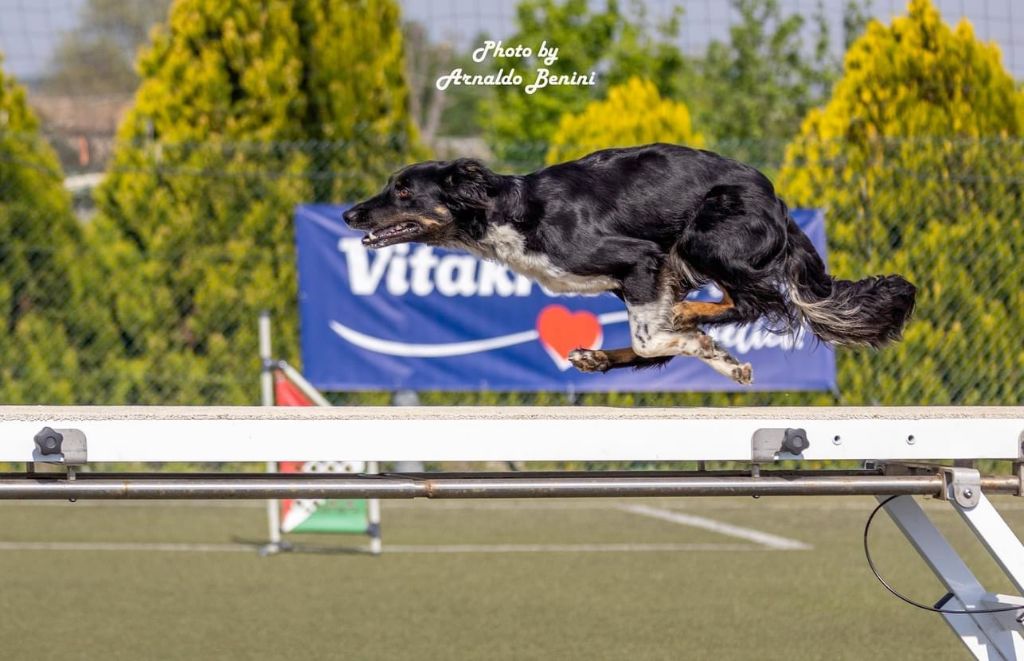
x: 650, y: 291
x: 689, y: 314
x: 602, y: 360
x: 725, y: 364
x: 655, y: 334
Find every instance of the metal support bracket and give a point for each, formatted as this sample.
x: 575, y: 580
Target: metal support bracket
x: 986, y: 635
x: 1018, y: 466
x: 962, y: 485
x: 777, y: 443
x: 60, y: 446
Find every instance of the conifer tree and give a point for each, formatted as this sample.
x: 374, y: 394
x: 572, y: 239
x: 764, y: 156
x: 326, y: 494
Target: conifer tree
x: 918, y: 159
x: 43, y: 314
x: 246, y: 108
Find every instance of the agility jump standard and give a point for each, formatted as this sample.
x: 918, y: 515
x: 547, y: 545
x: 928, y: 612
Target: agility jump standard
x: 892, y: 443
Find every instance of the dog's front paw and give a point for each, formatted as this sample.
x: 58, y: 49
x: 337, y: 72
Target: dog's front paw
x: 589, y: 361
x: 743, y: 374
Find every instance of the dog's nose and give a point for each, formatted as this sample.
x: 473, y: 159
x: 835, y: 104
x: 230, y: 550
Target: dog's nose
x: 352, y: 216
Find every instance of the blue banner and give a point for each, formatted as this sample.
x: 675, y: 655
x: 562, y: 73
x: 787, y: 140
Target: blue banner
x: 421, y: 318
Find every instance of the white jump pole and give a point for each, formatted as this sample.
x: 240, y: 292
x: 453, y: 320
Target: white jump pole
x: 267, y: 399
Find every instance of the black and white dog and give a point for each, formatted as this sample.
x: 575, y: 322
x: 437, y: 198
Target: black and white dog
x: 649, y: 224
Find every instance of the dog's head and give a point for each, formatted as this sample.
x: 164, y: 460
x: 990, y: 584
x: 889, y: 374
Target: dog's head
x: 434, y: 202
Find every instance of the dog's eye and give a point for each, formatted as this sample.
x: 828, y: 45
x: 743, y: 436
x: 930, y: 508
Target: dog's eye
x: 404, y: 193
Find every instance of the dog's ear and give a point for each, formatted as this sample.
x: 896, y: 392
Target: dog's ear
x: 466, y: 183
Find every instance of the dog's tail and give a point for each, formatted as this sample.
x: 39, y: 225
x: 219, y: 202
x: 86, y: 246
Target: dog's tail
x: 869, y: 312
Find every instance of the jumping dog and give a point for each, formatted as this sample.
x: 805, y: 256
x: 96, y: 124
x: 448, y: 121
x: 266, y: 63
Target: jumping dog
x: 648, y: 224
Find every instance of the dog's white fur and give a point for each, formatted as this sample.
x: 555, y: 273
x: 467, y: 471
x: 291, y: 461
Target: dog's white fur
x: 503, y: 244
x: 653, y: 334
x: 651, y: 325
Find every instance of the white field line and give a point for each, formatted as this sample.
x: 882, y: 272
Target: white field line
x: 767, y: 540
x: 863, y: 504
x: 388, y: 548
x: 114, y: 504
x: 124, y: 546
x: 563, y: 548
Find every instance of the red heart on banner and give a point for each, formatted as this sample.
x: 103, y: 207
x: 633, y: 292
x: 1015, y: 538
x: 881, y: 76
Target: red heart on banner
x: 561, y: 331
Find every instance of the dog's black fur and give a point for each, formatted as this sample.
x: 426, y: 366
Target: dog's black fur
x: 636, y: 219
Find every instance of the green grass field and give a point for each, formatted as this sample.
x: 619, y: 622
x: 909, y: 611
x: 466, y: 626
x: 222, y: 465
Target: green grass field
x: 557, y: 579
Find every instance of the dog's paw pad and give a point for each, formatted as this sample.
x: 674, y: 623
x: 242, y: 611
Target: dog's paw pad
x: 589, y: 361
x: 743, y: 374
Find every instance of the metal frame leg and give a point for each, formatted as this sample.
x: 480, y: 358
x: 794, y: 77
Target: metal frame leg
x: 373, y: 515
x: 986, y: 635
x: 267, y: 399
x: 273, y: 521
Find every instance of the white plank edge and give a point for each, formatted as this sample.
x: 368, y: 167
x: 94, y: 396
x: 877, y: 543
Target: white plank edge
x: 209, y: 434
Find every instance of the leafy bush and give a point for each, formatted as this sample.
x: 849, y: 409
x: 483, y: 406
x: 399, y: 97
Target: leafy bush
x: 44, y: 309
x: 919, y: 161
x: 246, y: 108
x: 633, y: 114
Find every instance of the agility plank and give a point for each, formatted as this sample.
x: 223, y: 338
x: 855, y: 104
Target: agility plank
x: 232, y: 434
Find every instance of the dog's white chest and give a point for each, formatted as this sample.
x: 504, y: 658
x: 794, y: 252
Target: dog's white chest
x: 507, y: 246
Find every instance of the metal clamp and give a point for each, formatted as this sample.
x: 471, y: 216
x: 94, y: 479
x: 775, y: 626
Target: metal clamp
x: 962, y: 485
x: 769, y: 443
x: 60, y: 446
x: 1018, y: 466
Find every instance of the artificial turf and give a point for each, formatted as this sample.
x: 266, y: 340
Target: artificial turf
x: 722, y: 597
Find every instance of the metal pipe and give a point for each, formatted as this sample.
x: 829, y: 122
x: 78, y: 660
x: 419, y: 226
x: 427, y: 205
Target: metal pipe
x: 143, y: 487
x: 204, y: 489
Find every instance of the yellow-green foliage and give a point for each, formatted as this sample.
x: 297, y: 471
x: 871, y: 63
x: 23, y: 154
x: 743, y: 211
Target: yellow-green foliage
x: 41, y: 303
x: 918, y: 159
x: 756, y: 87
x: 634, y: 113
x: 591, y: 36
x: 246, y: 108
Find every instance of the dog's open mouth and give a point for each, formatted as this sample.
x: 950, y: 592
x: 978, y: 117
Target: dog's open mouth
x: 393, y: 234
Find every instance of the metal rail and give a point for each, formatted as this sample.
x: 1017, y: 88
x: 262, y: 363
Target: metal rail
x: 151, y: 486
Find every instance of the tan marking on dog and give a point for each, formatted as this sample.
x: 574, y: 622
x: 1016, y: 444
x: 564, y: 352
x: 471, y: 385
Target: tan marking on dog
x: 691, y: 313
x: 443, y: 213
x: 426, y: 221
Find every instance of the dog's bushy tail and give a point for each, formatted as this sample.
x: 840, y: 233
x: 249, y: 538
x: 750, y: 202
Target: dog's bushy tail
x: 870, y: 312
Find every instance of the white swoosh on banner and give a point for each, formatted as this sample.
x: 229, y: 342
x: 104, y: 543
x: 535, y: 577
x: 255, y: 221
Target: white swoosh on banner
x: 407, y: 350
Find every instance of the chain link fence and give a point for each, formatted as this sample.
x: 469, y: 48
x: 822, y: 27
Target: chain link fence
x: 163, y: 309
x: 97, y: 314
